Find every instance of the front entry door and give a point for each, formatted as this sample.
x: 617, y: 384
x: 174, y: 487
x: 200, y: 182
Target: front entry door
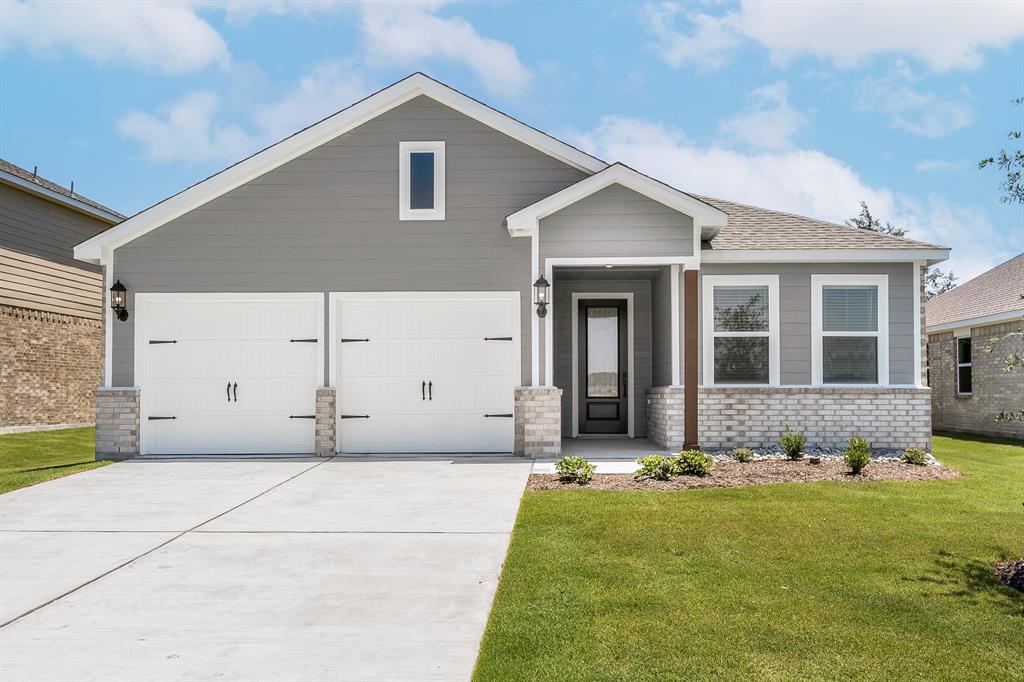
x: 603, y: 362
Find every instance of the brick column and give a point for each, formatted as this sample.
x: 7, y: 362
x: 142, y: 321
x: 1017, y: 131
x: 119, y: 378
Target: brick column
x: 325, y: 421
x: 117, y: 423
x: 665, y: 416
x: 538, y: 421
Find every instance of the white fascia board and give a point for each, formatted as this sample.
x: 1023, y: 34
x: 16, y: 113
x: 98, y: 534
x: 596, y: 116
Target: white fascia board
x: 524, y: 222
x: 979, y: 321
x: 47, y: 193
x: 928, y: 255
x: 321, y: 133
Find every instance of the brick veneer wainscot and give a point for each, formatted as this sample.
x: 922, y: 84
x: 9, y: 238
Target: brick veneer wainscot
x: 49, y: 366
x: 538, y: 421
x: 117, y: 423
x: 665, y: 416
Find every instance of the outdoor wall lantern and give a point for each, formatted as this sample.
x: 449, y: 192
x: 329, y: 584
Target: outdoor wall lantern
x: 118, y: 299
x: 540, y: 296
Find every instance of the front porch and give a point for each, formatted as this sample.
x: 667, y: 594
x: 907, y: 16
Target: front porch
x: 609, y: 455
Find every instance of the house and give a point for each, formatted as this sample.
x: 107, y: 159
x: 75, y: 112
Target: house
x: 969, y: 385
x: 422, y: 273
x: 51, y: 305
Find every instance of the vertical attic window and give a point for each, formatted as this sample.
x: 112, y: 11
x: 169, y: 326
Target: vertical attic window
x: 421, y: 181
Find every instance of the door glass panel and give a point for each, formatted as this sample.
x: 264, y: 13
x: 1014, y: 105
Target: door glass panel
x: 602, y: 352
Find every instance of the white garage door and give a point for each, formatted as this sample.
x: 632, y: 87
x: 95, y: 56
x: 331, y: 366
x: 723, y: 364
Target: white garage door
x: 427, y: 374
x: 232, y: 376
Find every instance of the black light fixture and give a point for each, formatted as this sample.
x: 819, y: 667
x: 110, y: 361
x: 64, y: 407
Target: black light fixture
x: 118, y: 300
x: 540, y: 296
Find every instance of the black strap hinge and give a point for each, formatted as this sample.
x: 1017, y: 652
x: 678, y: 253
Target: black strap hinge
x: 355, y: 340
x: 303, y: 340
x: 507, y: 416
x: 153, y: 342
x: 302, y: 416
x: 497, y: 338
x: 354, y: 416
x: 157, y: 419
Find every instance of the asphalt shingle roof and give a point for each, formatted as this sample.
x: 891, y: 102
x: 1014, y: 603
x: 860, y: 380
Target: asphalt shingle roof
x: 1000, y: 290
x: 54, y: 187
x: 759, y: 228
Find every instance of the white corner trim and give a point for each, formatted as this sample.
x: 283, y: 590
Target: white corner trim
x: 108, y: 319
x: 980, y: 321
x: 882, y: 333
x: 526, y: 220
x: 318, y: 134
x: 918, y: 379
x: 708, y: 283
x: 929, y: 255
x: 677, y: 366
x: 405, y: 149
x: 534, y: 320
x: 578, y: 296
x: 57, y: 197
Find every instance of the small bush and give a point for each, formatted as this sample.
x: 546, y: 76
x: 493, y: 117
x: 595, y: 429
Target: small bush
x: 742, y: 454
x: 914, y: 456
x: 655, y: 466
x: 574, y: 469
x: 692, y: 463
x: 793, y: 443
x: 857, y: 454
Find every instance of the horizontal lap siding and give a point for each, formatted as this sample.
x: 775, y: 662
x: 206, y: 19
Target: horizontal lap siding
x: 39, y: 284
x: 661, y: 338
x: 328, y: 221
x: 795, y: 312
x: 38, y: 227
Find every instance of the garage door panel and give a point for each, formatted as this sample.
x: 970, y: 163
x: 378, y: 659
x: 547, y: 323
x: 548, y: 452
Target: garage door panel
x: 471, y: 395
x: 426, y: 318
x: 233, y: 359
x: 211, y: 434
x: 390, y: 357
x: 236, y: 319
x: 381, y: 395
x: 425, y: 434
x: 427, y: 357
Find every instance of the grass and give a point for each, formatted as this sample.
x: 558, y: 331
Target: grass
x: 30, y: 458
x: 799, y: 581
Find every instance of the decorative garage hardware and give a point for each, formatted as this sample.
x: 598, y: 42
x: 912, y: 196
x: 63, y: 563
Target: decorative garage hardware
x: 229, y: 392
x: 153, y: 343
x: 118, y: 300
x: 497, y: 338
x: 302, y: 416
x: 423, y: 390
x: 355, y: 340
x: 302, y: 340
x: 158, y: 419
x: 234, y: 387
x: 354, y: 416
x: 540, y: 296
x: 507, y: 416
x: 430, y: 389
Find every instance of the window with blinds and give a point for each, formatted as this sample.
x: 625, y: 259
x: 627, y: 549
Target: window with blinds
x: 741, y: 334
x: 849, y: 334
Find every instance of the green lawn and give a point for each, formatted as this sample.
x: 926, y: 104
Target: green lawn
x: 28, y: 458
x: 800, y: 581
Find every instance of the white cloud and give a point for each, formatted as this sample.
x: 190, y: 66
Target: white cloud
x: 802, y: 181
x: 942, y: 35
x: 771, y: 123
x: 157, y: 36
x: 327, y: 89
x: 938, y: 165
x: 406, y: 34
x: 912, y: 110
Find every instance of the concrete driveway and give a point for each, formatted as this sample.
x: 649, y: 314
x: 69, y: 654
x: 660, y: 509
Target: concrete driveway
x: 255, y: 570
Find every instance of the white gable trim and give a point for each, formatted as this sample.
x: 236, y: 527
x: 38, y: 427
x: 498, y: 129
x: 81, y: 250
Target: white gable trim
x: 931, y: 256
x: 318, y: 134
x: 707, y: 220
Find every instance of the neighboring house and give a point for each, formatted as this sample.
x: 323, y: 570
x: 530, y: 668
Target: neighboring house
x: 969, y: 386
x: 51, y: 305
x: 371, y: 284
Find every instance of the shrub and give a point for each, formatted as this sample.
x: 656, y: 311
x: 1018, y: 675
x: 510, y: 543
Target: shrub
x: 857, y: 454
x: 914, y: 456
x: 742, y: 454
x: 793, y: 443
x: 692, y: 463
x: 655, y: 466
x: 574, y: 469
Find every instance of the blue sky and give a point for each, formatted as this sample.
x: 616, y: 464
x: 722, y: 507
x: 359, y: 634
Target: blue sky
x: 799, y: 106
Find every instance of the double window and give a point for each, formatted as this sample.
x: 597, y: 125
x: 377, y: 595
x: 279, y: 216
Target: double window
x: 741, y: 322
x: 963, y: 366
x: 421, y: 177
x: 849, y: 329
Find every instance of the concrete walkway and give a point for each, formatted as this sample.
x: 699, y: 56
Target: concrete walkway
x: 255, y: 570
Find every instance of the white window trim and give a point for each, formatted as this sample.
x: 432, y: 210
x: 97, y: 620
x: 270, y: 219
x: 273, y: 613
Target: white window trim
x: 882, y: 333
x: 404, y: 151
x: 708, y: 283
x: 970, y: 363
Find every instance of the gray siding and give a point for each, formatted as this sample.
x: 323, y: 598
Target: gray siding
x: 616, y: 221
x: 795, y: 312
x: 328, y: 221
x: 661, y: 328
x: 562, y: 322
x: 38, y: 227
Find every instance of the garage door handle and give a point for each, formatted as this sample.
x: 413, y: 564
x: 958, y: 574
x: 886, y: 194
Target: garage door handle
x: 236, y: 391
x: 423, y: 390
x: 430, y: 389
x: 229, y: 391
x: 508, y: 416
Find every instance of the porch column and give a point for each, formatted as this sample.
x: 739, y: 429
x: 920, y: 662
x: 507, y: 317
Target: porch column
x: 690, y: 357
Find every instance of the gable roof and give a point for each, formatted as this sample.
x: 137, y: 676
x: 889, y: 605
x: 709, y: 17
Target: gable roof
x: 36, y: 184
x: 989, y: 297
x: 710, y: 219
x: 317, y: 134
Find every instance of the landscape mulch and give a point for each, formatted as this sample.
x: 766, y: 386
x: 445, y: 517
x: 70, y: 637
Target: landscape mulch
x: 1012, y: 573
x: 734, y: 474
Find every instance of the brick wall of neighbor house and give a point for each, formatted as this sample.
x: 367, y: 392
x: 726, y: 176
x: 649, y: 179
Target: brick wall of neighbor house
x: 538, y: 421
x: 890, y: 418
x: 993, y: 389
x: 49, y: 366
x: 117, y: 423
x: 665, y: 418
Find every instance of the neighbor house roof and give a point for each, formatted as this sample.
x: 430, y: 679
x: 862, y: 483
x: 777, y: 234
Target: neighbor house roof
x: 33, y: 182
x: 991, y: 297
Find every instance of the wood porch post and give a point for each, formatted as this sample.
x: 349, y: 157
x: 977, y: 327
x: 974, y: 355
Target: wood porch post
x: 690, y: 357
